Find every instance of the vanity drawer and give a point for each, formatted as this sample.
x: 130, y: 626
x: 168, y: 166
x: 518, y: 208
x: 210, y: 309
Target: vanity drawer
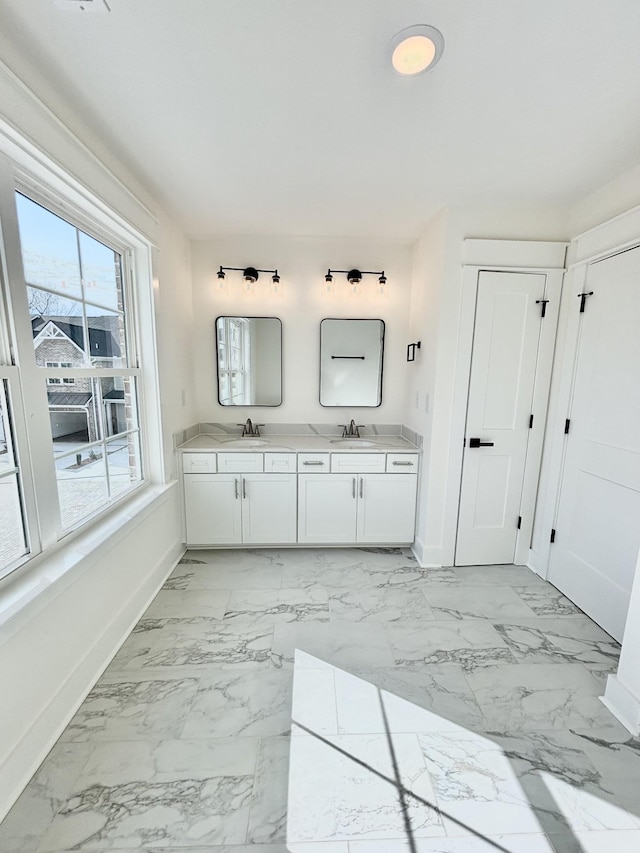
x: 280, y: 463
x: 310, y: 462
x: 199, y: 463
x: 348, y: 463
x: 399, y: 463
x: 239, y: 463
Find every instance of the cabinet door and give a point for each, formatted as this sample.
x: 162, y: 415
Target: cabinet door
x: 387, y: 508
x: 327, y: 508
x: 213, y: 509
x: 268, y: 509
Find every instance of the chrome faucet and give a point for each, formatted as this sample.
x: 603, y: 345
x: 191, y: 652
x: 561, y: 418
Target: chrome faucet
x: 351, y: 431
x: 250, y: 429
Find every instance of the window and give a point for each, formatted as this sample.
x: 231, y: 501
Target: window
x: 233, y: 357
x: 55, y: 380
x: 68, y: 355
x: 13, y: 534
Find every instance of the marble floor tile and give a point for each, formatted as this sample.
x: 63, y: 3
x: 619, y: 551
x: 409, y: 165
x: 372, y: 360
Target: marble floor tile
x: 354, y: 793
x: 314, y: 706
x: 244, y: 703
x: 616, y: 754
x: 373, y: 604
x: 563, y: 785
x: 244, y: 642
x: 323, y: 569
x: 531, y: 697
x: 476, y: 785
x: 340, y: 643
x: 547, y: 601
x: 166, y: 793
x: 183, y: 743
x: 476, y: 844
x: 547, y: 639
x: 435, y: 699
x: 120, y: 709
x: 280, y: 606
x: 187, y: 603
x: 241, y: 569
x: 625, y: 841
x: 498, y: 576
x: 33, y: 812
x: 179, y: 579
x: 466, y: 643
x: 267, y: 821
x: 482, y: 602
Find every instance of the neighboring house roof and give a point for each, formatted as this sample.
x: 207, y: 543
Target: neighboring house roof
x: 114, y: 395
x: 68, y: 398
x: 103, y: 333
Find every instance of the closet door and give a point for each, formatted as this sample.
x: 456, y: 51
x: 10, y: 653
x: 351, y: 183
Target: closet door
x: 506, y: 341
x: 598, y: 522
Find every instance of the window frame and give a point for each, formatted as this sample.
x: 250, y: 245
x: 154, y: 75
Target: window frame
x: 28, y: 383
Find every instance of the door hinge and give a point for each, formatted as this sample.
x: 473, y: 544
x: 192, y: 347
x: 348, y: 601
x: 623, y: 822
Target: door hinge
x: 583, y: 298
x: 530, y: 421
x: 553, y: 535
x: 519, y: 522
x: 542, y: 302
x: 567, y: 424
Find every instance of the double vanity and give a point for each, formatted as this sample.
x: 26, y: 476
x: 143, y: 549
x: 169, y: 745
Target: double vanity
x: 299, y: 489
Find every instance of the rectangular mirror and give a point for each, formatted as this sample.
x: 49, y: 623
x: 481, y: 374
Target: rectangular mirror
x: 249, y: 351
x: 351, y: 353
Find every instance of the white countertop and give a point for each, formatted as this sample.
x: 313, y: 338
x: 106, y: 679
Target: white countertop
x: 300, y: 444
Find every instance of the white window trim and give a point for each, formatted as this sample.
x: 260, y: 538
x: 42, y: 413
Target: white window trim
x: 27, y: 169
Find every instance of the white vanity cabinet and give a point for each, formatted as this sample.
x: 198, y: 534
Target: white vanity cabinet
x: 359, y: 506
x: 334, y: 499
x: 239, y: 506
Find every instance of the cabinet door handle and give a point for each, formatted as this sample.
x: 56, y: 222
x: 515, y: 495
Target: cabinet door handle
x: 313, y: 463
x: 235, y: 482
x: 361, y: 487
x: 244, y: 488
x: 402, y: 463
x: 353, y: 488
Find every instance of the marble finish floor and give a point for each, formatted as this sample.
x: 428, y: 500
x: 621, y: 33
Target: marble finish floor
x: 438, y: 711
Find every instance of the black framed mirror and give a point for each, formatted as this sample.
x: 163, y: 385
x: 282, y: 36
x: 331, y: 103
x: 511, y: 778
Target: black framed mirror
x: 249, y: 361
x: 351, y: 357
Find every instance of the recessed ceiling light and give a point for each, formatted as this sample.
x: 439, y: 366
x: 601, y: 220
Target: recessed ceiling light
x: 416, y: 49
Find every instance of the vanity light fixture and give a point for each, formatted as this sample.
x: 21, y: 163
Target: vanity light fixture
x: 416, y: 49
x: 250, y: 276
x: 354, y: 276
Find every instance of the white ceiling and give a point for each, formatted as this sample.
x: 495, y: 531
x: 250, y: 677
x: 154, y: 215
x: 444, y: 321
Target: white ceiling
x: 283, y: 116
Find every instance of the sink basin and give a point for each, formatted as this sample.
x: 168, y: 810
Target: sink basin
x: 253, y: 442
x: 353, y: 443
x: 245, y: 442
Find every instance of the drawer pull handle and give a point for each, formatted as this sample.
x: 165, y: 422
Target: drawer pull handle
x: 361, y: 487
x: 402, y: 463
x: 353, y: 488
x: 244, y: 488
x: 236, y: 486
x: 313, y: 463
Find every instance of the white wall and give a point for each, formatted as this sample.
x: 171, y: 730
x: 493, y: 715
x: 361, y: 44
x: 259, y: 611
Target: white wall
x: 302, y: 263
x: 63, y: 618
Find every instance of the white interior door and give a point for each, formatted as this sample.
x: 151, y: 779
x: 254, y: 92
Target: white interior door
x: 598, y: 523
x: 501, y: 389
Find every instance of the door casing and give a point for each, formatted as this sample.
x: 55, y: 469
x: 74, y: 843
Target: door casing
x: 545, y: 258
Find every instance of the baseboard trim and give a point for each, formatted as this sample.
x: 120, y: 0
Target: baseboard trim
x: 624, y: 706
